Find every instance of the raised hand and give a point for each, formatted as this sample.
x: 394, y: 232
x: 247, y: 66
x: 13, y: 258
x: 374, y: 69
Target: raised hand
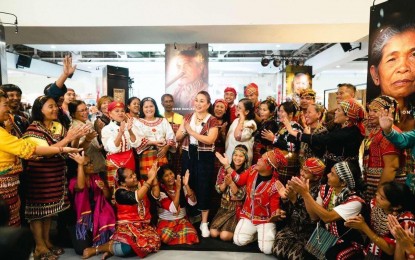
x: 178, y: 182
x: 222, y: 159
x: 79, y: 158
x: 91, y: 135
x: 122, y: 127
x: 68, y: 69
x: 300, y: 186
x: 268, y: 135
x: 186, y: 178
x: 386, y: 120
x: 129, y: 124
x: 282, y: 191
x: 151, y: 175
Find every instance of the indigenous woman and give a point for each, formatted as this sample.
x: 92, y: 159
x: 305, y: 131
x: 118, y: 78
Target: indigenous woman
x: 199, y: 132
x: 11, y: 150
x: 336, y: 202
x: 94, y: 214
x: 261, y: 207
x: 133, y: 233
x: 47, y: 190
x: 118, y: 139
x: 103, y: 118
x: 226, y: 219
x: 283, y: 141
x: 268, y: 122
x: 391, y: 198
x: 133, y: 107
x: 242, y: 129
x: 79, y: 114
x: 381, y: 159
x: 158, y: 135
x: 341, y: 144
x: 221, y: 112
x: 314, y: 126
x: 291, y: 239
x: 173, y: 226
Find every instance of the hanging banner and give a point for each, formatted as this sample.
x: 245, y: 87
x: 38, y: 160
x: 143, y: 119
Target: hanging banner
x: 186, y: 73
x: 297, y: 79
x: 391, y: 65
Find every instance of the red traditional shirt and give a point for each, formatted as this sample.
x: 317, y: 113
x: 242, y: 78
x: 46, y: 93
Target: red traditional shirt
x: 263, y: 201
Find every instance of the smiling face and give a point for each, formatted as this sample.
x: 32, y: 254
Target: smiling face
x: 81, y: 112
x: 305, y: 101
x: 130, y: 178
x: 373, y: 115
x: 263, y: 165
x: 4, y: 109
x: 104, y: 106
x: 149, y: 109
x: 168, y: 178
x: 311, y: 115
x: 117, y: 114
x: 14, y: 99
x: 283, y: 114
x: 229, y: 97
x: 201, y: 103
x: 343, y: 94
x: 50, y: 110
x: 339, y: 116
x: 219, y: 110
x: 381, y: 200
x: 240, y: 109
x: 238, y: 159
x: 134, y: 106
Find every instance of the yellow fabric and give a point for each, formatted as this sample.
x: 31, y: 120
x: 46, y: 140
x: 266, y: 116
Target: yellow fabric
x: 56, y: 129
x: 11, y: 148
x: 176, y: 118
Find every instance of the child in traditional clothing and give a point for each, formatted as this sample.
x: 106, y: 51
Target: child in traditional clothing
x: 95, y: 215
x: 261, y: 206
x: 225, y: 220
x: 173, y: 226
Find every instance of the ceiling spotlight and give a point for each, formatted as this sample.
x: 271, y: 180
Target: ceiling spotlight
x: 276, y: 62
x: 265, y: 62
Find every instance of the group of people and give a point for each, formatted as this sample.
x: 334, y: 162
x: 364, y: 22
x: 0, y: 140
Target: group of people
x: 135, y: 178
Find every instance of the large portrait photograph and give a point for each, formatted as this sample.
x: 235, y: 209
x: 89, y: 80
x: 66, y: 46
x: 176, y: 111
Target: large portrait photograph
x: 186, y: 73
x: 391, y: 61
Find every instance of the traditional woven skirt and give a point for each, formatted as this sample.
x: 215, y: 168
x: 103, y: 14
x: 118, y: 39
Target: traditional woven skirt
x: 8, y: 191
x: 142, y: 237
x: 47, y: 190
x: 177, y: 232
x: 227, y: 217
x: 147, y: 158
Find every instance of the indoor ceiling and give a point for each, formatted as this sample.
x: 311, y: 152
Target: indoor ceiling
x: 104, y: 32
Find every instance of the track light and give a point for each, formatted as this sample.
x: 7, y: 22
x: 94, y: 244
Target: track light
x: 276, y: 62
x: 265, y: 62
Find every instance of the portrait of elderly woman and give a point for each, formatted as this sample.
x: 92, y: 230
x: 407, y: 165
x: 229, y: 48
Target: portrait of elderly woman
x: 186, y: 75
x: 392, y: 68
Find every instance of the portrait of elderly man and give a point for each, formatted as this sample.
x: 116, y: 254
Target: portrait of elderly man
x: 187, y: 77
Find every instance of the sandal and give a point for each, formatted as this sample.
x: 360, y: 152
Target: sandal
x: 45, y: 256
x: 57, y: 250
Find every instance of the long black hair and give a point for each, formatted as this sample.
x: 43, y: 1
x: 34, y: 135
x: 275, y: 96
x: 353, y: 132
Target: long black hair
x: 399, y: 195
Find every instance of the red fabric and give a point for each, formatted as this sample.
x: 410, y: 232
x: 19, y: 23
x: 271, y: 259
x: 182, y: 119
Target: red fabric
x: 123, y: 159
x: 262, y: 202
x: 115, y: 104
x: 230, y: 89
x: 251, y: 88
x: 233, y: 113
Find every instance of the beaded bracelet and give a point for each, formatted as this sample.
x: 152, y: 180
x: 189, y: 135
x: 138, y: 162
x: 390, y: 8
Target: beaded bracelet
x: 227, y: 167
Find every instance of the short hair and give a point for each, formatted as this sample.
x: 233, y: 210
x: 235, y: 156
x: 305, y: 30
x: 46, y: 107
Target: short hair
x: 249, y: 106
x: 348, y: 86
x: 10, y: 87
x: 37, y: 114
x: 289, y: 107
x: 398, y: 194
x: 102, y: 99
x: 167, y: 95
x: 156, y: 112
x: 73, y: 106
